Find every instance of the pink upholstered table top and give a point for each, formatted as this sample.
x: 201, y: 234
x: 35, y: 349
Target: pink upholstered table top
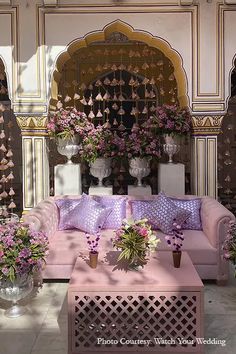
x: 158, y: 274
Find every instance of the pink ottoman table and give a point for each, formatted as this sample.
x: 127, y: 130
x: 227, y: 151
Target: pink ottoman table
x: 157, y: 309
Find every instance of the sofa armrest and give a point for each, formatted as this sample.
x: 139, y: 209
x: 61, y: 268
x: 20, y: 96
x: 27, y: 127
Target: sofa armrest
x: 215, y: 220
x: 44, y: 217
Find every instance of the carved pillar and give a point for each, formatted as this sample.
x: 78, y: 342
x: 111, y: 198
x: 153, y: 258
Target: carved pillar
x: 34, y: 160
x: 204, y: 154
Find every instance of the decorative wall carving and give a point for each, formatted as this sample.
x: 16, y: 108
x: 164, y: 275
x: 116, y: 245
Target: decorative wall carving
x: 32, y: 124
x: 207, y: 124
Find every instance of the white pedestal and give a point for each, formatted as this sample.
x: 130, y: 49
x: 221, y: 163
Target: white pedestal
x: 96, y: 190
x: 67, y: 179
x: 139, y: 191
x: 171, y: 178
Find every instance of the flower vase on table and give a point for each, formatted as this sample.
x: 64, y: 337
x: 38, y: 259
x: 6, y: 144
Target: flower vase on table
x: 92, y: 241
x: 135, y: 240
x: 93, y: 259
x: 175, y: 240
x: 176, y: 258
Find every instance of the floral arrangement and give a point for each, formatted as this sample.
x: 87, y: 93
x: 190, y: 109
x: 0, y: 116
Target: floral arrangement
x: 170, y: 119
x: 66, y: 123
x: 98, y: 143
x: 22, y: 250
x: 229, y: 246
x: 135, y: 240
x: 93, y: 244
x: 176, y: 240
x: 142, y: 143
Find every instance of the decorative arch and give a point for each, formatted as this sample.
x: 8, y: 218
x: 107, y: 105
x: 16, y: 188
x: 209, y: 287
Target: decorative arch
x: 135, y: 35
x: 4, y: 93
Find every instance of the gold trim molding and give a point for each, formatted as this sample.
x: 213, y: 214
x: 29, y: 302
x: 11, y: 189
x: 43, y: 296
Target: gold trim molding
x: 207, y: 125
x: 32, y: 123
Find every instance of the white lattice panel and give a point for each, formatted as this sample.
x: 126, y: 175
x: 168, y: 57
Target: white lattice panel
x: 163, y: 315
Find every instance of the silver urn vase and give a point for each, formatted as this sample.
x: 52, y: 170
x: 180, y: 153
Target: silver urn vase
x: 170, y: 147
x: 139, y: 168
x: 100, y: 168
x: 68, y: 147
x: 15, y: 291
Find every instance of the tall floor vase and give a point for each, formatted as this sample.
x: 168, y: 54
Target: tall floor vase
x: 15, y: 291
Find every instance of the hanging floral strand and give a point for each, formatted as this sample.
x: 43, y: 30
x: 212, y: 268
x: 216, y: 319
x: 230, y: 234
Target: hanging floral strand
x: 6, y: 165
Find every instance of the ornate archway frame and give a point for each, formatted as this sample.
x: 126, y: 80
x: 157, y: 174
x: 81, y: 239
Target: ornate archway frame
x: 134, y: 35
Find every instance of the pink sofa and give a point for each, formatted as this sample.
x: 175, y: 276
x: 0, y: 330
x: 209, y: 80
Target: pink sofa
x: 204, y: 247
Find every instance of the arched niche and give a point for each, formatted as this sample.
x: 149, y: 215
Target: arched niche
x: 132, y: 35
x: 4, y: 97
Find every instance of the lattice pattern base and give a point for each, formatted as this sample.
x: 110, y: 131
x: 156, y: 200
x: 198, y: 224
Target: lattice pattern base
x: 124, y: 322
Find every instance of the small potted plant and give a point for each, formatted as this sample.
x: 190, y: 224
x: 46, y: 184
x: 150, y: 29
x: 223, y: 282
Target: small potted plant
x: 22, y: 252
x: 229, y: 246
x: 93, y: 248
x: 135, y: 240
x: 176, y: 242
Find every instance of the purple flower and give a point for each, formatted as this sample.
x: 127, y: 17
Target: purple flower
x: 25, y: 253
x: 5, y: 270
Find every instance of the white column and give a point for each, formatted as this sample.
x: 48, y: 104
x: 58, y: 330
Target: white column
x: 204, y: 154
x: 204, y: 165
x: 35, y: 160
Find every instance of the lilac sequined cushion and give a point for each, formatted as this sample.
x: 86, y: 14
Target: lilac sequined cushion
x: 194, y: 206
x: 89, y: 216
x: 161, y: 213
x: 118, y: 210
x: 65, y: 207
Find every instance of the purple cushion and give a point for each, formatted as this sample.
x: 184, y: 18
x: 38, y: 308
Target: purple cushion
x: 118, y: 210
x: 194, y: 206
x: 161, y: 213
x: 89, y: 216
x: 65, y: 207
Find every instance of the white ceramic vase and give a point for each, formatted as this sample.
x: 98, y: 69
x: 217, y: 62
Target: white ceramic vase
x: 68, y: 147
x: 100, y: 168
x: 170, y: 147
x: 139, y: 168
x: 15, y: 291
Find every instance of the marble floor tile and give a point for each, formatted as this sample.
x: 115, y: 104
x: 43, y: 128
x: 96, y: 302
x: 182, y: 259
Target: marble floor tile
x: 43, y: 330
x: 17, y: 341
x: 48, y: 342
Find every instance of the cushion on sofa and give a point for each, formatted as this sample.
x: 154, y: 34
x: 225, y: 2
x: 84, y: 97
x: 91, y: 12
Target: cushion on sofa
x: 88, y: 216
x: 65, y: 207
x: 193, y: 222
x: 118, y: 210
x: 161, y: 213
